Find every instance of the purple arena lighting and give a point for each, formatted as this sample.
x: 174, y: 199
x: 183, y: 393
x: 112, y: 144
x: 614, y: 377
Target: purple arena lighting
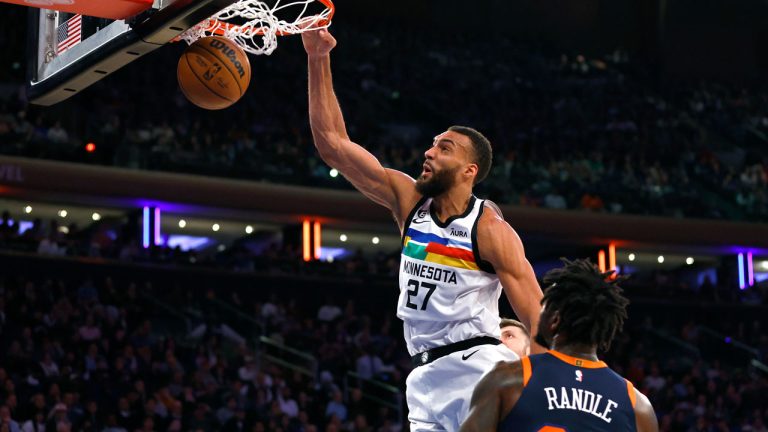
x: 742, y: 282
x: 145, y: 230
x: 158, y: 238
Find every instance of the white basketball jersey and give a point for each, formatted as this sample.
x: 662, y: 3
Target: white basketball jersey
x: 447, y: 293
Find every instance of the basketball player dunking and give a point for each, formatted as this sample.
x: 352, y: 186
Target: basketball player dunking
x: 456, y: 254
x: 566, y: 388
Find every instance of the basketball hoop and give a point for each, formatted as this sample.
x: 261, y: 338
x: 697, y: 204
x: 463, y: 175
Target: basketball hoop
x: 259, y: 25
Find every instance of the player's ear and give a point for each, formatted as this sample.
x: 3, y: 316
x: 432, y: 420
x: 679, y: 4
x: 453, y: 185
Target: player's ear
x: 554, y: 324
x: 471, y: 170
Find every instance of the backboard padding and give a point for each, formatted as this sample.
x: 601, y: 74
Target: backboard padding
x: 56, y: 77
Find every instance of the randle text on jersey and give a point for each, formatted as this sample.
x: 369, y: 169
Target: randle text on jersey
x: 581, y: 400
x: 429, y: 272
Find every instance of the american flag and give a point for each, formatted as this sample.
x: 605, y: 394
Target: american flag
x: 69, y: 34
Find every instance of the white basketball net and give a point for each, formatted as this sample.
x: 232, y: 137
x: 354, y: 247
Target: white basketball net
x: 258, y: 25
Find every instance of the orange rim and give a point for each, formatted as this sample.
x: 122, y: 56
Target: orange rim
x: 222, y: 27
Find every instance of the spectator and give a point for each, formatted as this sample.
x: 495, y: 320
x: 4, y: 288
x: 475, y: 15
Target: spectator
x: 5, y: 418
x: 555, y: 201
x: 35, y: 424
x: 226, y: 412
x: 329, y: 311
x: 57, y: 416
x: 49, y: 367
x: 57, y: 134
x: 89, y: 331
x: 336, y: 410
x: 236, y: 423
x: 369, y: 365
x: 288, y: 405
x: 126, y: 417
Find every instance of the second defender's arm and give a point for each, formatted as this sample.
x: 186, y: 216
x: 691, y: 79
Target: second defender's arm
x: 390, y: 188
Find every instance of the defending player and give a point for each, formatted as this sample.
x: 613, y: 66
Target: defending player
x: 567, y: 388
x: 515, y: 336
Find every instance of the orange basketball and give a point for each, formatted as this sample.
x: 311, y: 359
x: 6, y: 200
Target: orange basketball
x: 214, y: 72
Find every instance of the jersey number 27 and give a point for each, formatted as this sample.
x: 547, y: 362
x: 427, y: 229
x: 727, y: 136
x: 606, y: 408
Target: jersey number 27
x: 414, y: 292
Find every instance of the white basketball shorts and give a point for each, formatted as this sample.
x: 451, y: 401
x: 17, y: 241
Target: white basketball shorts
x: 439, y: 393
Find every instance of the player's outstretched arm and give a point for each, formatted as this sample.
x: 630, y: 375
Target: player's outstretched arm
x: 502, y: 248
x: 645, y: 417
x: 392, y: 189
x: 494, y: 397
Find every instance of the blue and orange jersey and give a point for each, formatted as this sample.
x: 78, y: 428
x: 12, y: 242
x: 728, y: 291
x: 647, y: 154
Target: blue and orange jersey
x: 568, y: 394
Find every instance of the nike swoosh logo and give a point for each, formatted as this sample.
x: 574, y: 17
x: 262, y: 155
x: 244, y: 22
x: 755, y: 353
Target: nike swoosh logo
x: 466, y: 356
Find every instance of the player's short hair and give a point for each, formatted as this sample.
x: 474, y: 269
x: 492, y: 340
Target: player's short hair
x: 591, y: 305
x: 509, y: 322
x: 481, y: 148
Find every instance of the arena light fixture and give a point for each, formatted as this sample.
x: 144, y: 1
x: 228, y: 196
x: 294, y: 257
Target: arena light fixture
x: 215, y: 227
x: 95, y: 216
x: 689, y: 260
x: 612, y: 258
x: 331, y: 254
x: 182, y: 223
x: 660, y: 259
x: 62, y: 213
x: 631, y: 257
x: 248, y: 229
x: 145, y: 228
x: 305, y: 241
x: 64, y: 230
x: 25, y: 225
x: 742, y: 280
x: 28, y: 209
x: 158, y: 237
x: 343, y: 237
x: 334, y: 172
x: 764, y: 265
x: 601, y: 260
x: 316, y: 237
x: 375, y: 240
x: 186, y: 243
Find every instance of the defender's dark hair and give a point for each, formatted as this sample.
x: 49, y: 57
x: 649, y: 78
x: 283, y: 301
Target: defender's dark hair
x: 481, y: 148
x: 591, y: 305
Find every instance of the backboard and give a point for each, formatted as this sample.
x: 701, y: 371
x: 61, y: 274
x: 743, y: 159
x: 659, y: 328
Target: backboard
x: 67, y: 51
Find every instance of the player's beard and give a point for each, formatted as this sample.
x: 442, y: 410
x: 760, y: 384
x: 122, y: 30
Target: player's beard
x: 440, y: 182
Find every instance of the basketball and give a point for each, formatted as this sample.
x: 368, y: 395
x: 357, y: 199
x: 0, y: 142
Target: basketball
x: 214, y: 73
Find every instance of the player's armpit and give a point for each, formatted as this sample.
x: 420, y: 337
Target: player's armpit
x: 501, y: 247
x: 645, y: 417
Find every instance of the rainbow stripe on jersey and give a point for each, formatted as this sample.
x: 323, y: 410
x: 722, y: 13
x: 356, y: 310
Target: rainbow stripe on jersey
x: 439, y: 250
